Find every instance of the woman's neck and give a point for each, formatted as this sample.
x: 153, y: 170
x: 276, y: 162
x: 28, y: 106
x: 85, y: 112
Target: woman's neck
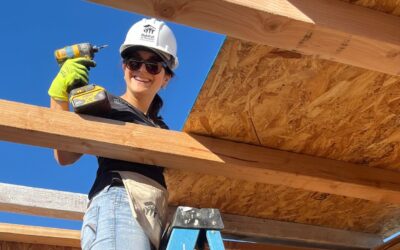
x: 141, y: 103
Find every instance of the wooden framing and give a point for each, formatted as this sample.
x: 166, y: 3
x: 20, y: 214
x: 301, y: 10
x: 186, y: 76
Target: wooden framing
x: 32, y: 237
x: 40, y: 126
x: 43, y: 202
x: 265, y: 96
x: 393, y: 244
x: 327, y: 29
x: 14, y: 236
x: 67, y: 205
x: 39, y: 235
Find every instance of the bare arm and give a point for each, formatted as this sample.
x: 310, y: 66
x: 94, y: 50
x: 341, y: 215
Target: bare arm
x: 63, y: 157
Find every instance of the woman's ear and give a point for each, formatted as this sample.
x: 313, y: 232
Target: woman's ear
x: 123, y: 66
x: 166, y: 80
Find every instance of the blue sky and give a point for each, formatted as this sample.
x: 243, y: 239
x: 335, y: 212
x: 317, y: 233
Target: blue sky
x: 30, y: 32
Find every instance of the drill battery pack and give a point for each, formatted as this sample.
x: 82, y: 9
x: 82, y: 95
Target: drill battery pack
x: 90, y: 99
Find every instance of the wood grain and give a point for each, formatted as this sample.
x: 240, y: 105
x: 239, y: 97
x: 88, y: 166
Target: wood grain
x: 328, y: 29
x: 266, y: 96
x: 393, y: 244
x: 39, y: 126
x: 43, y: 202
x: 9, y: 245
x: 255, y: 230
x: 391, y: 7
x: 39, y: 235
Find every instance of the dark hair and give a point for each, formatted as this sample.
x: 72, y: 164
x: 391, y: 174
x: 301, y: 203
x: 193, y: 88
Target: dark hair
x: 157, y: 102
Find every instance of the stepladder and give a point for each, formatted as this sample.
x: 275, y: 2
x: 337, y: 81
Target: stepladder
x: 191, y: 228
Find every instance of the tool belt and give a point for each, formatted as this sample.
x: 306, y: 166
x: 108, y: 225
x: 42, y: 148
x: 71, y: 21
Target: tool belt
x: 148, y: 202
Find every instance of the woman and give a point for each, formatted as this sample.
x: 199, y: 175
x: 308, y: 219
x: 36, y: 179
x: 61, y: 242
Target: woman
x: 128, y: 201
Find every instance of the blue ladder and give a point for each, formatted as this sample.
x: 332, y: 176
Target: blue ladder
x: 193, y: 226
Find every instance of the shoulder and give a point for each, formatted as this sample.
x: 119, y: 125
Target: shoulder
x: 117, y: 102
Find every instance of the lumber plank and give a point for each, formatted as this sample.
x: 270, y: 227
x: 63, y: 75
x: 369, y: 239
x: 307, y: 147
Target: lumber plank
x: 34, y: 235
x: 328, y: 29
x: 43, y: 202
x: 393, y: 244
x: 251, y: 246
x: 243, y: 227
x: 28, y: 124
x: 39, y: 235
x: 296, y: 234
x: 10, y: 245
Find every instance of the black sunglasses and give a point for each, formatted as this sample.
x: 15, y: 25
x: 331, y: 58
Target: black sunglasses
x: 153, y: 68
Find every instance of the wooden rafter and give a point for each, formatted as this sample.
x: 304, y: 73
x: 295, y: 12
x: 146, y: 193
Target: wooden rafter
x: 51, y: 203
x: 39, y: 235
x: 43, y: 202
x: 327, y: 29
x: 40, y: 126
x: 393, y: 244
x: 14, y: 236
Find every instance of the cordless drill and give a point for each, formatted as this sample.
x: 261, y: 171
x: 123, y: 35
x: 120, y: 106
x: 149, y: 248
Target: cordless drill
x: 85, y: 99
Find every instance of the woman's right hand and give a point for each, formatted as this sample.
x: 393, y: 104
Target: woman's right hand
x: 73, y: 71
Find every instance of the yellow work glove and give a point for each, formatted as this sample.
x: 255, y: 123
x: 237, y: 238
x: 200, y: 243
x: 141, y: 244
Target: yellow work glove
x: 73, y: 72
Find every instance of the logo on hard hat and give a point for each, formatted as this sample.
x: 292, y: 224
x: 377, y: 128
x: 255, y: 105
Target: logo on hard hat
x: 148, y: 33
x: 148, y: 29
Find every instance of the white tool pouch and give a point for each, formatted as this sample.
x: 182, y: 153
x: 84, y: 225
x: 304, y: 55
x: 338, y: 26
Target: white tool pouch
x: 148, y: 202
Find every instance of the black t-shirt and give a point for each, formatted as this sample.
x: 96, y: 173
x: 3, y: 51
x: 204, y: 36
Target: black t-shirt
x: 123, y: 111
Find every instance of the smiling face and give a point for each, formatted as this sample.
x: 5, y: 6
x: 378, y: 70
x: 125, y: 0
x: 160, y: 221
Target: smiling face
x: 139, y: 82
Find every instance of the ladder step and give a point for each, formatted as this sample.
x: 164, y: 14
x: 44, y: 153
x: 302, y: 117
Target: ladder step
x: 214, y: 239
x: 183, y: 239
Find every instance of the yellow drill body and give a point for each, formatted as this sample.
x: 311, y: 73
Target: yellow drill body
x: 85, y: 99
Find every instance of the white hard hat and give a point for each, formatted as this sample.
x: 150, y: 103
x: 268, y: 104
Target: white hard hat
x: 154, y: 35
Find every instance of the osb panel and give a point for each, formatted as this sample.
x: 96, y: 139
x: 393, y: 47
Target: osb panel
x: 7, y: 245
x: 280, y: 99
x: 281, y: 203
x: 388, y: 6
x: 265, y: 96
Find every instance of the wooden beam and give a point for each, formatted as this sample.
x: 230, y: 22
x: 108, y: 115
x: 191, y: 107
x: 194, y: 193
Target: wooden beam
x: 39, y: 235
x: 43, y: 202
x: 393, y: 244
x: 71, y: 238
x: 296, y: 234
x: 327, y: 29
x: 256, y: 230
x: 250, y: 246
x: 40, y: 126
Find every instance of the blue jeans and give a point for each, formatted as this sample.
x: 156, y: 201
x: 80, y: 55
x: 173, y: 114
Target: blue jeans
x: 108, y: 223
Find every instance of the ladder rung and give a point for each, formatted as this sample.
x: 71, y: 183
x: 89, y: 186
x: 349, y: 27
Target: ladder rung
x: 214, y: 239
x: 183, y: 239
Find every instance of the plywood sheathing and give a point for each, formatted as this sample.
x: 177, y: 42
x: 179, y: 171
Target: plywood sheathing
x: 388, y: 6
x: 280, y: 203
x: 280, y: 99
x: 284, y: 100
